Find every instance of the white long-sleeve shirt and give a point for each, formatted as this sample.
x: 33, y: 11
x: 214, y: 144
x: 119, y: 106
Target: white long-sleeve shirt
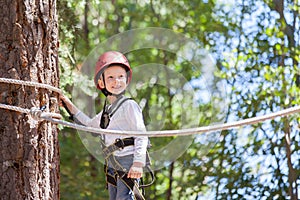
x: 128, y: 117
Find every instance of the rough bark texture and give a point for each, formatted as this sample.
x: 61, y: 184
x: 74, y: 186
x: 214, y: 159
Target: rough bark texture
x: 28, y: 51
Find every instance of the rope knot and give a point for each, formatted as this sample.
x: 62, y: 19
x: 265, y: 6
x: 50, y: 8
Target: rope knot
x: 36, y: 113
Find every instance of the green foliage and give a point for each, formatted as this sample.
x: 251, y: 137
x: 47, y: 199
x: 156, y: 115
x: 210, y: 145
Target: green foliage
x: 81, y: 174
x: 256, y: 46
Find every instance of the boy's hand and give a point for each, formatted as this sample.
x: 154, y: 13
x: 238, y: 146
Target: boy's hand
x: 64, y: 99
x: 136, y: 170
x: 68, y: 105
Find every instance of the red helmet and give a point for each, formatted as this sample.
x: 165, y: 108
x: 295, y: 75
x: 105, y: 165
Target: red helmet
x: 107, y: 59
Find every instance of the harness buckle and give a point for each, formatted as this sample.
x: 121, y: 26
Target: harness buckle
x: 120, y: 143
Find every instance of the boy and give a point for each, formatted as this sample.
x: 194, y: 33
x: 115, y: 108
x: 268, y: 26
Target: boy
x: 124, y: 163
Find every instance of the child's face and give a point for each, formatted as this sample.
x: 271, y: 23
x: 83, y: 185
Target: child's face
x: 115, y: 79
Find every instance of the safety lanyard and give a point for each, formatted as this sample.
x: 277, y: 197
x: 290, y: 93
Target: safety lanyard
x: 108, y: 112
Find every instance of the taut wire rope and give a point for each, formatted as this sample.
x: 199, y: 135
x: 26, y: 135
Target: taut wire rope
x: 55, y: 118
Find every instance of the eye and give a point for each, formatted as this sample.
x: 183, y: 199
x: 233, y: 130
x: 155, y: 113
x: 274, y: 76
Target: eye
x: 110, y: 78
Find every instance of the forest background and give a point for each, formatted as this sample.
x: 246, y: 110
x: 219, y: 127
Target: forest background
x: 255, y: 45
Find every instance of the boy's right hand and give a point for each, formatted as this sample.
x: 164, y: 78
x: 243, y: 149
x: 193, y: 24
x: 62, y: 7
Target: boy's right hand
x: 63, y: 99
x: 67, y: 104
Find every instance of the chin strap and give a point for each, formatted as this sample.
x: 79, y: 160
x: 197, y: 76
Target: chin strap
x: 107, y: 93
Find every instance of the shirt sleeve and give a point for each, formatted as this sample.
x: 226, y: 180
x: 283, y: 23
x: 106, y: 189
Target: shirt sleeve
x: 136, y: 122
x: 83, y: 119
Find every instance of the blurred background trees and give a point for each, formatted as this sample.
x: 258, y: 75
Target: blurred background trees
x: 256, y: 48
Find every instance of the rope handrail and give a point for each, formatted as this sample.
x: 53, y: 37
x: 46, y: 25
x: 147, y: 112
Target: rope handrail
x: 31, y: 84
x: 182, y: 132
x: 35, y: 112
x: 163, y: 133
x: 56, y: 118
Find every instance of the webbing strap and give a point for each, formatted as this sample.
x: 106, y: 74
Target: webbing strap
x: 119, y: 144
x: 111, y: 111
x: 121, y: 173
x: 107, y: 113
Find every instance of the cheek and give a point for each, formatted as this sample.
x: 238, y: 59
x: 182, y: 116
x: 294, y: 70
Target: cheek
x: 124, y: 82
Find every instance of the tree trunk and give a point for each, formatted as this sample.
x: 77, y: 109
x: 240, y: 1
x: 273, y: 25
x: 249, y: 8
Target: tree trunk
x: 292, y: 175
x: 289, y: 31
x: 29, y: 151
x: 169, y: 192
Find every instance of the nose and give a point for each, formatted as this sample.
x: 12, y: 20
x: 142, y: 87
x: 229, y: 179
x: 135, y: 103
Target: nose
x: 117, y: 80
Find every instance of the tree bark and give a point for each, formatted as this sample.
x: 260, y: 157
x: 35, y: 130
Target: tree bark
x: 169, y: 191
x: 28, y: 51
x: 289, y: 31
x: 292, y: 175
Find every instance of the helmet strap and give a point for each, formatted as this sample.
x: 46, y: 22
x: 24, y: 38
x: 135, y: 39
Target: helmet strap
x: 104, y: 90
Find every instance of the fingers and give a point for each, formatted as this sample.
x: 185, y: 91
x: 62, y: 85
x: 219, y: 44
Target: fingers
x: 65, y: 100
x: 135, y: 172
x: 68, y: 105
x: 62, y: 101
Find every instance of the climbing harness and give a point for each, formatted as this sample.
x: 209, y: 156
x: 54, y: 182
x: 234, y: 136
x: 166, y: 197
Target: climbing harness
x: 108, y: 112
x: 120, y: 172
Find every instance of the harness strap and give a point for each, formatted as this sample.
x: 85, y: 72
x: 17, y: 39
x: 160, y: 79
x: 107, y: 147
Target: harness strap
x: 117, y: 104
x: 119, y: 144
x: 121, y: 172
x: 132, y: 184
x: 108, y: 112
